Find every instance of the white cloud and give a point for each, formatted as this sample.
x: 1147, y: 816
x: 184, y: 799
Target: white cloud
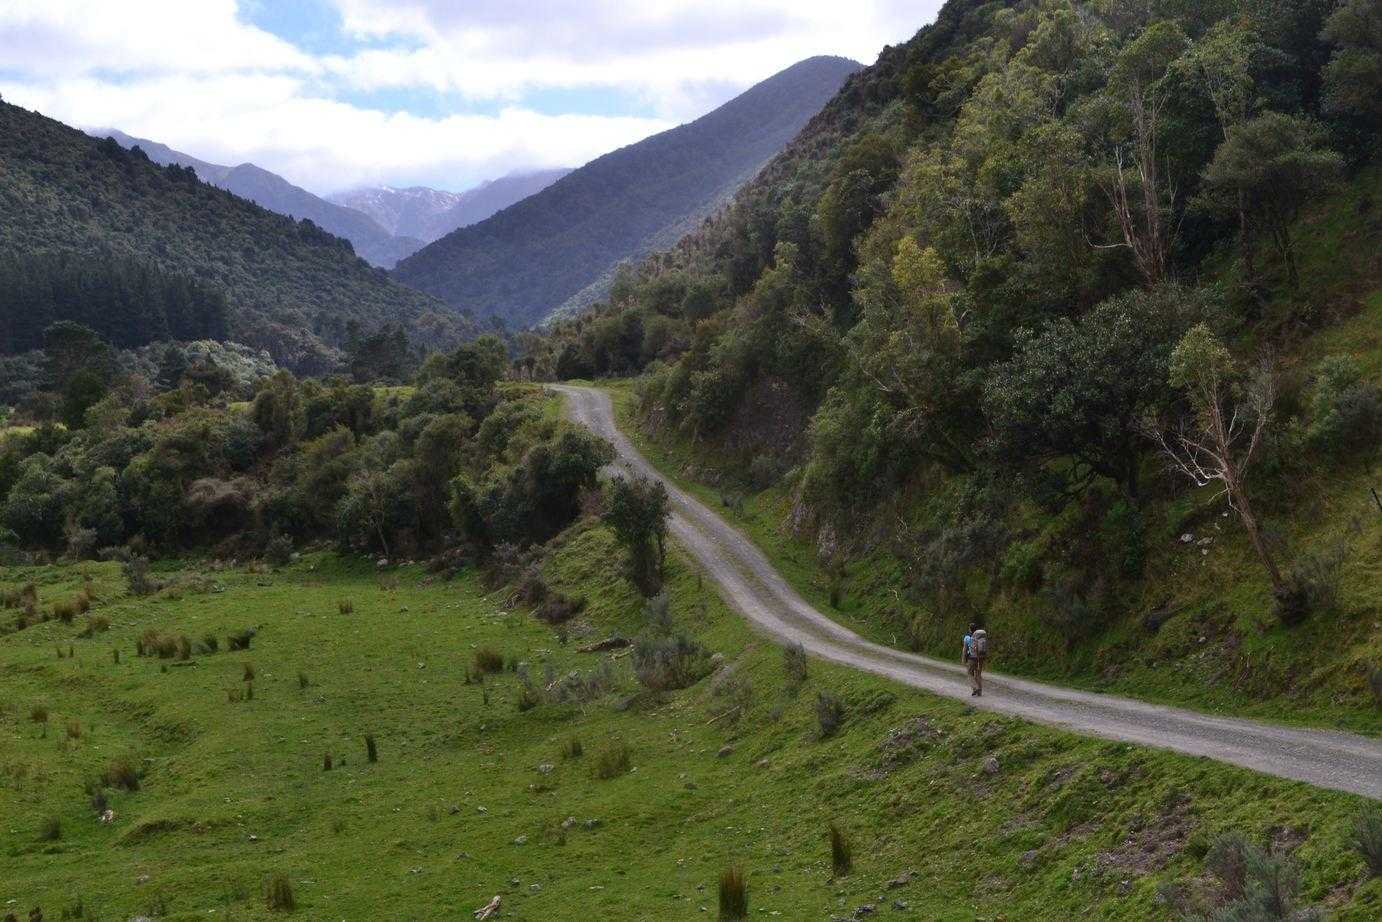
x: 196, y: 75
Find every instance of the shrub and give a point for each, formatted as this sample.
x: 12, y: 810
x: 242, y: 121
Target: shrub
x: 734, y: 895
x: 326, y: 762
x: 613, y: 760
x: 83, y: 600
x: 50, y: 830
x: 184, y: 648
x: 582, y: 687
x: 1367, y: 838
x: 732, y: 697
x: 278, y: 894
x: 121, y: 773
x: 279, y: 551
x: 371, y: 749
x: 668, y: 662
x: 136, y: 570
x: 210, y: 644
x: 39, y: 713
x: 529, y: 695
x: 1247, y: 882
x: 488, y: 661
x: 155, y: 643
x: 559, y: 608
x: 346, y: 607
x: 830, y: 713
x: 249, y: 672
x: 794, y: 665
x: 302, y: 680
x: 571, y: 748
x: 240, y: 640
x: 841, y: 852
x: 1312, y: 583
x: 74, y: 729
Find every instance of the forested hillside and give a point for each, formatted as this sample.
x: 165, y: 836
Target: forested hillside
x: 1063, y: 316
x: 527, y: 260
x: 372, y: 243
x: 291, y: 287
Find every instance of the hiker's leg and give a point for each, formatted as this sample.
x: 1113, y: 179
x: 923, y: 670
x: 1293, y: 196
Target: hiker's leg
x: 979, y: 676
x: 972, y: 668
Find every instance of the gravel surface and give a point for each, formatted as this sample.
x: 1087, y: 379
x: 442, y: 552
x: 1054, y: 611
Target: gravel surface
x: 749, y: 583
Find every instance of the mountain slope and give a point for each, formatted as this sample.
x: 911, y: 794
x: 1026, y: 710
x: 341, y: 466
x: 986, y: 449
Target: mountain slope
x: 431, y: 213
x: 373, y: 243
x: 525, y: 261
x: 292, y: 288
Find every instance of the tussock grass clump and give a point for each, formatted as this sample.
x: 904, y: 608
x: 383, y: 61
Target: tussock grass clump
x: 121, y: 773
x: 529, y: 696
x: 794, y: 665
x: 583, y: 687
x: 248, y: 673
x: 371, y: 748
x: 830, y: 713
x: 154, y: 642
x: 841, y: 852
x: 74, y: 729
x: 65, y: 611
x: 613, y: 759
x: 39, y: 713
x: 734, y: 894
x: 732, y: 697
x: 326, y: 762
x: 1367, y: 838
x: 240, y: 640
x: 345, y: 607
x: 184, y: 648
x: 571, y: 748
x: 210, y: 644
x: 488, y: 661
x: 50, y: 830
x: 302, y: 680
x: 96, y: 624
x: 278, y: 894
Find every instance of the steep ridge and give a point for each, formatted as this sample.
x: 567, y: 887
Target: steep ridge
x: 373, y: 243
x: 525, y: 261
x: 292, y: 288
x: 427, y: 214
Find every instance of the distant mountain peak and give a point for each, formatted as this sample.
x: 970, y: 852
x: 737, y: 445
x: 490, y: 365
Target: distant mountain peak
x: 558, y: 247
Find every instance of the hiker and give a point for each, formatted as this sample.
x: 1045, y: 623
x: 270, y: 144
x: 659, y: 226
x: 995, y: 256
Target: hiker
x: 975, y: 654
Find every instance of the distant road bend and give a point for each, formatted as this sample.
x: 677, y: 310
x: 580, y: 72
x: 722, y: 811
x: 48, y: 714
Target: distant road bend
x: 750, y: 583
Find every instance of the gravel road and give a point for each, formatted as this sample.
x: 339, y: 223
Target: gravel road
x: 750, y: 583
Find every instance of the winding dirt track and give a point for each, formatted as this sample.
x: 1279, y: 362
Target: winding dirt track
x: 749, y: 582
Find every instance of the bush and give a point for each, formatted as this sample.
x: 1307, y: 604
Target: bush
x: 488, y: 661
x: 210, y: 644
x: 184, y: 648
x: 74, y: 729
x: 558, y: 608
x: 249, y: 672
x: 734, y: 895
x: 346, y: 607
x: 240, y: 640
x: 668, y: 662
x: 830, y: 713
x: 371, y: 748
x: 65, y: 612
x: 136, y: 570
x: 326, y: 762
x: 97, y: 624
x: 1312, y: 583
x: 571, y: 748
x: 1367, y: 838
x: 1248, y: 883
x: 613, y: 760
x: 731, y: 698
x: 279, y: 551
x: 278, y: 894
x: 302, y: 680
x: 794, y: 665
x: 154, y: 642
x: 841, y: 852
x: 39, y: 713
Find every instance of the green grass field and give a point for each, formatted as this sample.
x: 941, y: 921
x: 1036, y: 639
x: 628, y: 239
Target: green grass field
x: 472, y: 797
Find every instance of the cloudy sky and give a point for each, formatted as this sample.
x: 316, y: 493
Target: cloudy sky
x: 337, y: 93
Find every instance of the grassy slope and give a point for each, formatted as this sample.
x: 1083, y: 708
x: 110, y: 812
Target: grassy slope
x: 1246, y: 663
x: 235, y: 791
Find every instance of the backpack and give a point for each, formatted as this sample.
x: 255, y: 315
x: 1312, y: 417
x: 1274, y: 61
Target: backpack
x: 979, y: 644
